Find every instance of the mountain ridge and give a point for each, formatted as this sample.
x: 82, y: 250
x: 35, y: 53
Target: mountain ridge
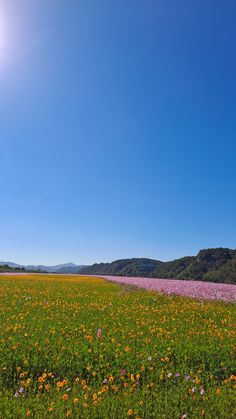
x: 61, y: 268
x: 213, y: 264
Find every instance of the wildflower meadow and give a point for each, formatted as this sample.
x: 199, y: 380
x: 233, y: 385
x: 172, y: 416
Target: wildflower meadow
x: 83, y: 347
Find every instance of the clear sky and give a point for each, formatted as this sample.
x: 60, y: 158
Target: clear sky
x: 117, y: 129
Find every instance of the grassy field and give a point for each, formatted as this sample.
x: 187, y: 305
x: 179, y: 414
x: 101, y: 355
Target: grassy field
x: 86, y: 348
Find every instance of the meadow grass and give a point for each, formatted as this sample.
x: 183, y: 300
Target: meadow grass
x: 83, y: 347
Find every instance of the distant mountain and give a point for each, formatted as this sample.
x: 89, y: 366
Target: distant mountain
x: 63, y: 268
x: 215, y: 265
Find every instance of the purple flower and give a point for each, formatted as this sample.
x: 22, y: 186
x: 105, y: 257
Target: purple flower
x: 187, y: 377
x: 177, y: 374
x: 202, y: 391
x: 123, y: 372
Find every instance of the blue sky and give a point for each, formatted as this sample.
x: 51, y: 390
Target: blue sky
x: 117, y: 129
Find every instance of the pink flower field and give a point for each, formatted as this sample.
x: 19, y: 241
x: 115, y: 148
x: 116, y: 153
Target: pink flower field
x: 194, y: 289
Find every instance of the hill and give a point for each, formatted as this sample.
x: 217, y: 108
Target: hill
x: 123, y: 267
x: 215, y: 265
x: 62, y: 269
x: 6, y: 268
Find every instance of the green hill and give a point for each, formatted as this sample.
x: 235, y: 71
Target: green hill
x: 215, y: 265
x: 123, y: 267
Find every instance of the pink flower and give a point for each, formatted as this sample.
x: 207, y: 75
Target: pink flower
x: 169, y: 375
x: 123, y: 372
x: 202, y: 391
x: 99, y: 333
x: 195, y: 289
x: 177, y: 374
x: 187, y: 377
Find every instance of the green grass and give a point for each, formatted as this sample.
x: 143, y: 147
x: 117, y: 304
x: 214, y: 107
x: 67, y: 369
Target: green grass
x: 49, y: 347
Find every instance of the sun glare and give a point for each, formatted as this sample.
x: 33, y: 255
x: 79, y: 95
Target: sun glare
x: 3, y: 41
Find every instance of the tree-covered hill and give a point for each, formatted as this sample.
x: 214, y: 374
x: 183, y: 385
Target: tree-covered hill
x: 215, y: 265
x: 126, y: 267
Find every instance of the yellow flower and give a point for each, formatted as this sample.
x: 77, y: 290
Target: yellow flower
x: 50, y: 409
x: 68, y: 413
x: 65, y: 396
x: 28, y: 413
x: 130, y: 412
x: 76, y: 400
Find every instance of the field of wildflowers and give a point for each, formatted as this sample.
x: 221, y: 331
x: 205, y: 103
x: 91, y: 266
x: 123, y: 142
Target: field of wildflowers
x: 83, y: 347
x: 185, y: 288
